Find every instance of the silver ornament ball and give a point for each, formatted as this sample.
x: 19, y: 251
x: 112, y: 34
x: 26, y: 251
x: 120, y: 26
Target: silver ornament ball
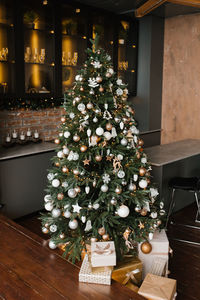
x: 52, y: 245
x: 72, y: 193
x: 73, y: 224
x: 56, y: 213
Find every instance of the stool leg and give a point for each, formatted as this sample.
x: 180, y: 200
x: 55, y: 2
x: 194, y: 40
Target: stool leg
x: 172, y: 203
x: 198, y: 208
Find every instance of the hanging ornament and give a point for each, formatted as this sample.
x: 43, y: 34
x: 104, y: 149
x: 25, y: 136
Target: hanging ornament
x: 65, y: 184
x: 53, y: 228
x: 107, y: 135
x: 99, y: 79
x: 101, y: 231
x: 89, y: 132
x: 48, y: 206
x: 109, y: 157
x: 146, y: 247
x: 150, y: 235
x: 78, y: 78
x: 67, y: 214
x: 107, y: 115
x: 93, y: 239
x: 76, y: 208
x: 141, y: 225
x: 138, y: 208
x: 81, y: 107
x: 57, y: 141
x: 143, y: 183
x: 135, y: 177
x: 113, y: 201
x: 56, y: 212
x: 90, y: 205
x: 113, y: 132
x: 123, y: 211
x: 106, y: 178
x: 87, y: 189
x: 52, y: 245
x: 88, y: 226
x: 159, y: 222
x: 101, y: 89
x: 117, y: 119
x: 104, y: 188
x: 124, y: 182
x: 154, y: 215
x: 63, y: 119
x: 83, y: 219
x: 76, y: 172
x: 86, y: 162
x: 50, y: 176
x: 89, y: 105
x: 67, y: 134
x: 121, y: 125
x: 76, y: 138
x: 124, y: 142
x: 77, y: 189
x: 106, y: 237
x: 83, y: 148
x: 108, y: 126
x: 143, y: 212
x: 140, y: 142
x: 162, y: 212
x: 132, y: 187
x: 116, y: 165
x: 91, y: 92
x: 94, y: 183
x: 142, y: 171
x: 99, y: 131
x: 77, y: 99
x: 73, y: 224
x: 72, y: 193
x: 96, y: 206
x: 60, y: 196
x: 81, y: 88
x: 47, y: 198
x: 45, y: 230
x: 62, y: 236
x: 65, y: 169
x: 95, y: 120
x: 138, y: 155
x: 55, y: 183
x: 118, y: 190
x: 72, y: 115
x: 98, y: 158
x: 57, y: 164
x: 65, y: 150
x: 121, y: 174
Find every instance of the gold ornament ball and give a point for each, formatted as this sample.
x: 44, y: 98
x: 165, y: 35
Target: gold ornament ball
x: 83, y: 148
x: 140, y: 142
x: 62, y: 236
x: 46, y: 225
x: 76, y: 138
x: 63, y: 119
x: 138, y: 155
x: 77, y: 189
x: 57, y: 164
x: 101, y: 89
x: 159, y: 222
x: 57, y: 141
x: 142, y: 171
x: 98, y: 158
x: 65, y: 169
x: 108, y: 126
x: 148, y: 181
x: 105, y: 237
x: 118, y: 190
x: 146, y: 247
x: 60, y: 196
x: 143, y: 212
x: 81, y: 89
x: 98, y: 79
x: 101, y: 231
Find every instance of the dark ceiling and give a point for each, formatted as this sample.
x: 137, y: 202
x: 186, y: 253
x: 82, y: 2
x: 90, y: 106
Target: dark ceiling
x: 129, y: 6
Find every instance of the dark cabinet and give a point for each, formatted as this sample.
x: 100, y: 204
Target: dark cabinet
x: 43, y: 43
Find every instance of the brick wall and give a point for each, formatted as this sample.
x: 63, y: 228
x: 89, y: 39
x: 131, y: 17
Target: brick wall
x: 46, y: 121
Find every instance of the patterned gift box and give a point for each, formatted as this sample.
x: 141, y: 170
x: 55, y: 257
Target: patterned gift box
x: 100, y: 276
x: 158, y: 255
x: 128, y: 272
x: 158, y: 288
x: 103, y: 254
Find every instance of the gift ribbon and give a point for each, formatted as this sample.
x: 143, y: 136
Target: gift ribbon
x: 131, y: 275
x: 103, y: 250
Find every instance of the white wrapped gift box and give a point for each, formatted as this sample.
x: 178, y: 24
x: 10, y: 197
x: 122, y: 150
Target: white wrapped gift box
x: 103, y: 254
x: 100, y: 277
x: 158, y: 255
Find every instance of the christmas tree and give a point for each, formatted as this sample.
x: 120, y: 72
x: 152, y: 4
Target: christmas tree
x: 99, y: 186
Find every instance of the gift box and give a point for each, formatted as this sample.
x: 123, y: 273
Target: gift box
x: 160, y: 250
x: 101, y: 276
x: 128, y: 272
x: 158, y: 288
x: 103, y: 254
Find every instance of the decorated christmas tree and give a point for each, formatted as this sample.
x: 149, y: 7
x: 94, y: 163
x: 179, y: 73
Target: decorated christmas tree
x: 100, y: 185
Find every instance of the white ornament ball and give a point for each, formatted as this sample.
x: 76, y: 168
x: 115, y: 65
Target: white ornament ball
x: 99, y: 131
x: 124, y: 142
x: 117, y: 120
x: 55, y: 183
x: 56, y: 213
x: 50, y: 176
x: 48, y: 206
x: 108, y: 135
x: 53, y: 228
x: 131, y: 187
x: 66, y: 151
x: 154, y: 215
x: 120, y: 157
x: 143, y: 183
x: 96, y: 206
x: 104, y: 188
x: 113, y: 201
x: 75, y: 156
x: 67, y: 134
x: 121, y: 174
x: 71, y: 115
x: 72, y: 193
x: 52, y: 245
x: 67, y: 214
x: 60, y: 154
x: 47, y: 198
x: 81, y: 107
x: 95, y: 120
x: 123, y: 211
x: 65, y: 184
x: 73, y: 224
x: 45, y: 230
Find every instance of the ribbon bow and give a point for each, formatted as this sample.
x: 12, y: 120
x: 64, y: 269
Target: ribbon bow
x: 131, y: 275
x: 100, y: 250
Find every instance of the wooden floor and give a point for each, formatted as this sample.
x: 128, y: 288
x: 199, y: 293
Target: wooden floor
x: 184, y: 238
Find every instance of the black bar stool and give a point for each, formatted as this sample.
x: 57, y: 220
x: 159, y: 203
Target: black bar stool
x: 190, y: 184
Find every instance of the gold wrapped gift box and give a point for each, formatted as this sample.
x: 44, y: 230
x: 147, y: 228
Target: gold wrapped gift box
x: 129, y: 273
